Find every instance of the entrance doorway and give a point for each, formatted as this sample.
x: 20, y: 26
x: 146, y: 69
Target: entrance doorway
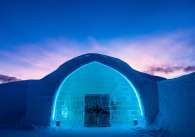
x: 102, y: 99
x: 97, y: 110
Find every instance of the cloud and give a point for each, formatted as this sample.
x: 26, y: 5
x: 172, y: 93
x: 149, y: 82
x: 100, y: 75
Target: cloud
x: 189, y: 68
x: 170, y: 70
x: 168, y: 55
x: 6, y: 79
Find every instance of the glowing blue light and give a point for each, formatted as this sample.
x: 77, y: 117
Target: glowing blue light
x: 58, y: 92
x: 134, y: 89
x: 136, y: 94
x: 64, y: 113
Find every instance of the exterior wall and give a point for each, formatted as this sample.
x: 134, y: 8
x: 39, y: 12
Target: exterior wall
x: 176, y: 105
x: 145, y: 85
x: 39, y: 104
x: 13, y: 103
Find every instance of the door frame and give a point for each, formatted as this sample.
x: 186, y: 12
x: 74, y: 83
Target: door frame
x: 97, y: 94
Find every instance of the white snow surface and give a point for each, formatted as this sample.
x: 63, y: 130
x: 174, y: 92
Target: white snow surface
x: 92, y: 132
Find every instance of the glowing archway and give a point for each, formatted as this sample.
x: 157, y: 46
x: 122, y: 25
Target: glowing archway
x: 96, y: 78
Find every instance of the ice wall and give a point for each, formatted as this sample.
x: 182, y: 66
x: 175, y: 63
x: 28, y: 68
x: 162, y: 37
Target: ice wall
x: 12, y: 103
x: 96, y: 78
x: 177, y: 105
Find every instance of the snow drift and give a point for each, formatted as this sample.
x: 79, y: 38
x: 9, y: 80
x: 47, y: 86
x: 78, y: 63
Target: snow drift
x: 177, y: 105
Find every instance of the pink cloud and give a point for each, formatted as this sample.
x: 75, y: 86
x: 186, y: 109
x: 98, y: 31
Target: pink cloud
x: 141, y: 53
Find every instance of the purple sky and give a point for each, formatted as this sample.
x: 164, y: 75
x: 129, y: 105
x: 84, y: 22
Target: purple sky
x: 168, y: 55
x: 154, y: 36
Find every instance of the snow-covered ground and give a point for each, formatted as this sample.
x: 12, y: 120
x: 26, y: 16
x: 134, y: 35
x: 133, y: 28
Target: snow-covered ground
x: 92, y: 132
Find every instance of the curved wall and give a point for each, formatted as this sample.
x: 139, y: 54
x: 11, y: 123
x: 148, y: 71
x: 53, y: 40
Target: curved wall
x: 97, y: 78
x: 41, y: 94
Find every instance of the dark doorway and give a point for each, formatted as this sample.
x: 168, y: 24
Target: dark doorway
x: 97, y: 112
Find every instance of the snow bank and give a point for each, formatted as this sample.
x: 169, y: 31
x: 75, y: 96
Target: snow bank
x: 92, y: 132
x: 177, y: 105
x: 13, y: 103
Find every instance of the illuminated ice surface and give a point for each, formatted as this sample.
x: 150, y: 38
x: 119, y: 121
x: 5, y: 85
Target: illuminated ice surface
x: 97, y: 79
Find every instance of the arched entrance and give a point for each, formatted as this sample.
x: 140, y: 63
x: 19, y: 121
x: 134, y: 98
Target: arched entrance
x: 96, y: 95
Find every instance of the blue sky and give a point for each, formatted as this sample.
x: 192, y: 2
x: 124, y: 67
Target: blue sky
x: 154, y: 36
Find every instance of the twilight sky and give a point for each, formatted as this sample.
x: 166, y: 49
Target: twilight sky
x: 153, y: 36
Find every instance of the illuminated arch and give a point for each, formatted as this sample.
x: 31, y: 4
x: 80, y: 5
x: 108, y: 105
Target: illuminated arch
x: 94, y: 72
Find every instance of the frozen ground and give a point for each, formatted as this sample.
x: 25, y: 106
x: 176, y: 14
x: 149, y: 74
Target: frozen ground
x: 102, y: 132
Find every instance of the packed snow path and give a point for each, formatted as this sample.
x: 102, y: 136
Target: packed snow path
x: 103, y: 132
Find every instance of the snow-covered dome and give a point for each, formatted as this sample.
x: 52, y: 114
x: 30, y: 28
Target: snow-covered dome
x: 39, y: 95
x: 101, y: 80
x: 44, y: 91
